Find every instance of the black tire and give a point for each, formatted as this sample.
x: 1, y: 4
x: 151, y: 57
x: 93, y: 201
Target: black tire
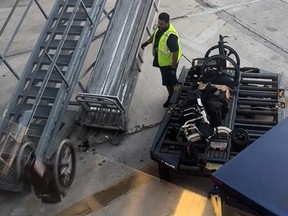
x: 214, y: 70
x: 239, y: 139
x: 190, y: 156
x: 51, y: 198
x: 164, y: 172
x: 64, y: 180
x: 229, y: 54
x: 25, y: 156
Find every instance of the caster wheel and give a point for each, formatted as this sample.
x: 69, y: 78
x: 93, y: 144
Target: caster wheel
x: 240, y: 139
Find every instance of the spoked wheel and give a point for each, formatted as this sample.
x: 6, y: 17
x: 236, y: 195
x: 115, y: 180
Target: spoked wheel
x: 64, y: 166
x: 215, y: 70
x: 240, y: 138
x: 228, y: 51
x: 25, y: 158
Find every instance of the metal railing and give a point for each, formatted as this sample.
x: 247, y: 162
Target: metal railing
x: 18, y: 26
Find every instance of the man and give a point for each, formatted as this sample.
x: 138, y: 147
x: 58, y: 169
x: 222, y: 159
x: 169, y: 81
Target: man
x: 166, y: 51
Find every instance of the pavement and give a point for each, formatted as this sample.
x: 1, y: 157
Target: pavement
x: 122, y: 180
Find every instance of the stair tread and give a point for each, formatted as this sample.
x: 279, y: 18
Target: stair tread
x: 74, y: 30
x: 41, y: 112
x: 40, y: 75
x: 68, y: 44
x: 63, y: 60
x: 80, y: 16
x: 88, y: 3
x: 49, y: 92
x: 35, y: 130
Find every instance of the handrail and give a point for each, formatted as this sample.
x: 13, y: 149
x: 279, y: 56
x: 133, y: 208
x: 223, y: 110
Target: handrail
x: 56, y: 55
x: 37, y: 68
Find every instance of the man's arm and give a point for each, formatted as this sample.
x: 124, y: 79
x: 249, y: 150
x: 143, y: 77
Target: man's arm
x: 172, y: 44
x: 174, y: 59
x: 146, y: 43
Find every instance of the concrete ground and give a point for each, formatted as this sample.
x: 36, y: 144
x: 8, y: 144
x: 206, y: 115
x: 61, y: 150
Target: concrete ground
x: 122, y: 180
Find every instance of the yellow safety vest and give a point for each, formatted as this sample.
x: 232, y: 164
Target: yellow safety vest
x: 164, y: 54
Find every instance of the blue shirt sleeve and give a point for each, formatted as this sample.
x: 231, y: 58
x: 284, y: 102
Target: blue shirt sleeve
x: 172, y: 43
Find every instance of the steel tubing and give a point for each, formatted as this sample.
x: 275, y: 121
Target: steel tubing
x: 115, y: 72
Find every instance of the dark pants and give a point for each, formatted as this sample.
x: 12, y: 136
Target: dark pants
x: 168, y: 78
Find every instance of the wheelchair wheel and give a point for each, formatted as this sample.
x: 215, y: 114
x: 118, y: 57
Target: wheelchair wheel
x: 216, y: 71
x: 25, y: 158
x: 65, y: 166
x: 228, y: 51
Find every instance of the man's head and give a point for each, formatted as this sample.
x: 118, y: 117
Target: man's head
x: 163, y: 20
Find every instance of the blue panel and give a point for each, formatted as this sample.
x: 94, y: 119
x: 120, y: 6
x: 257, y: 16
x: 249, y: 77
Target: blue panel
x: 260, y: 173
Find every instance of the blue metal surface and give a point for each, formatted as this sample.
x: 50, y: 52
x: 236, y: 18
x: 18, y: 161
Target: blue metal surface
x: 259, y: 173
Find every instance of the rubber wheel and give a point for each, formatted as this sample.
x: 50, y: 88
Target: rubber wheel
x: 215, y: 70
x: 190, y: 156
x: 25, y: 157
x: 163, y: 171
x: 240, y: 138
x: 229, y: 52
x: 64, y: 166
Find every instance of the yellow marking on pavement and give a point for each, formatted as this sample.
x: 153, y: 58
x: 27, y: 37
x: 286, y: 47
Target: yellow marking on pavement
x: 81, y: 208
x: 217, y: 204
x: 103, y: 198
x: 191, y: 204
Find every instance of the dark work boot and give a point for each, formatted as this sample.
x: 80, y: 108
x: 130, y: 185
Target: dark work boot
x: 167, y: 102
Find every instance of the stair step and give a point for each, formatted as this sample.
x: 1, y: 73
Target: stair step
x: 87, y: 3
x: 63, y: 60
x: 49, y: 93
x: 35, y: 130
x: 42, y: 111
x: 40, y: 75
x: 68, y: 44
x: 74, y: 30
x: 80, y: 16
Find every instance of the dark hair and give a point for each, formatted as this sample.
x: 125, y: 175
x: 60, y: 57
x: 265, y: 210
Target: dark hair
x: 164, y: 16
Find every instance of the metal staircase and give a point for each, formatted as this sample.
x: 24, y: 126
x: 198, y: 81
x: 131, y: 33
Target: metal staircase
x: 111, y: 84
x: 44, y: 90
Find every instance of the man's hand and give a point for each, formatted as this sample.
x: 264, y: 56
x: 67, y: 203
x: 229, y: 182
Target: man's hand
x: 173, y: 70
x: 143, y: 45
